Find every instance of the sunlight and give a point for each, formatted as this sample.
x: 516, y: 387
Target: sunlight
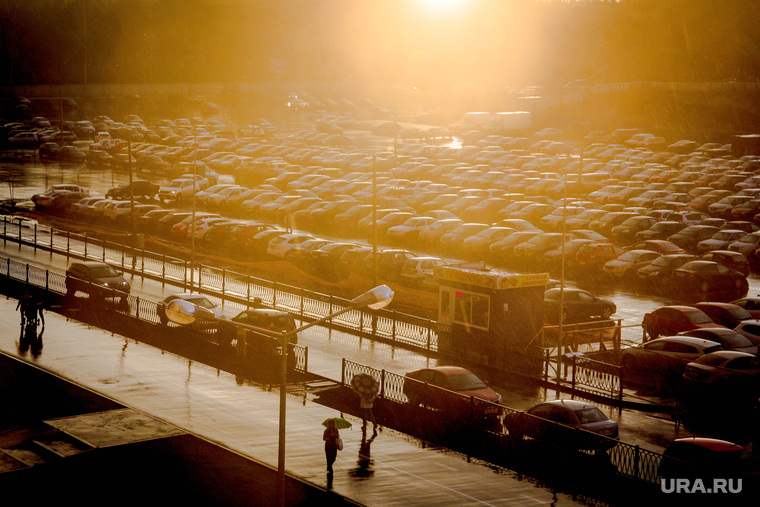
x: 442, y: 7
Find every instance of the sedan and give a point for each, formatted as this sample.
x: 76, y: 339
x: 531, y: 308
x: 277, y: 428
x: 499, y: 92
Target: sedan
x: 550, y: 423
x: 725, y: 314
x: 577, y: 305
x: 665, y: 355
x: 729, y: 338
x: 669, y: 320
x: 700, y: 278
x: 751, y: 304
x: 434, y: 387
x: 658, y: 275
x: 627, y: 265
x: 196, y: 299
x: 723, y: 366
x: 280, y: 245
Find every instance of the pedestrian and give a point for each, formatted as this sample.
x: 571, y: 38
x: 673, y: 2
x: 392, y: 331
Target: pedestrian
x: 366, y: 404
x: 333, y: 444
x: 23, y: 306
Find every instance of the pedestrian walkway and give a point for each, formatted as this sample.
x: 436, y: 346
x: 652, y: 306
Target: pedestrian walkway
x: 242, y: 416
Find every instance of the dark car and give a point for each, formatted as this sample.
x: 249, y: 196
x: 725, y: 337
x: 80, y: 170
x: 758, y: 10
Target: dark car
x: 138, y: 188
x: 623, y: 234
x: 725, y: 314
x: 148, y: 223
x: 700, y: 279
x: 557, y: 423
x: 590, y: 258
x: 730, y: 259
x: 729, y: 338
x: 577, y: 305
x: 665, y: 356
x: 660, y: 230
x: 658, y: 275
x: 275, y: 321
x: 688, y: 237
x: 96, y: 279
x: 670, y: 320
x: 751, y: 304
x: 707, y: 459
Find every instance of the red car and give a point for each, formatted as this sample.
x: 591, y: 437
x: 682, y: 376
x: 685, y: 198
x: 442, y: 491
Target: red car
x: 670, y: 320
x: 433, y: 387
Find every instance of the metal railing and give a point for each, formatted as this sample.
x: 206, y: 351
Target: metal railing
x: 415, y: 333
x: 248, y: 345
x: 628, y: 460
x: 388, y: 325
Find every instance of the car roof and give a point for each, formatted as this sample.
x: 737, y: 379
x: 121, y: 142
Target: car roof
x: 571, y: 404
x: 715, y: 304
x: 729, y: 354
x: 687, y: 340
x: 446, y: 370
x: 713, y: 444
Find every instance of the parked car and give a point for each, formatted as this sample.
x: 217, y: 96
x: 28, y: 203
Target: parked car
x: 96, y: 279
x: 703, y: 279
x: 688, y: 237
x: 732, y: 260
x: 725, y: 314
x: 279, y: 246
x: 550, y: 423
x: 178, y: 190
x: 196, y: 299
x: 657, y: 276
x: 670, y: 320
x: 707, y: 459
x: 627, y: 265
x: 728, y: 368
x: 577, y: 306
x: 418, y: 271
x: 751, y: 304
x: 665, y: 356
x: 433, y: 387
x: 276, y: 321
x: 750, y: 329
x: 660, y: 230
x: 729, y: 338
x: 138, y: 188
x: 720, y: 240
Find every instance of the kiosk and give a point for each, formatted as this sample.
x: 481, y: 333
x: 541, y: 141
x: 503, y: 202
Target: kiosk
x: 490, y: 316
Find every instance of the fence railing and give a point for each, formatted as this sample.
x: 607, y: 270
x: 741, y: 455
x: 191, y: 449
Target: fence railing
x: 628, y: 460
x: 248, y: 345
x: 392, y: 326
x: 415, y: 333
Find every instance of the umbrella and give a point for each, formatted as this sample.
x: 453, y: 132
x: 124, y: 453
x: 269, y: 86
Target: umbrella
x: 365, y: 384
x: 340, y: 423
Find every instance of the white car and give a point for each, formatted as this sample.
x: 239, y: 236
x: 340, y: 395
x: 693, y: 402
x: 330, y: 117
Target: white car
x: 409, y: 230
x: 418, y: 271
x: 202, y: 195
x: 117, y: 210
x: 178, y: 190
x: 279, y: 247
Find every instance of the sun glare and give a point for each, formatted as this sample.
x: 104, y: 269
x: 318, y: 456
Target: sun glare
x: 442, y: 7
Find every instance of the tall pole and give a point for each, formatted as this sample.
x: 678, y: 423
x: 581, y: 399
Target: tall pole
x: 131, y: 187
x: 374, y: 222
x: 281, y: 434
x: 192, y: 224
x: 561, y: 338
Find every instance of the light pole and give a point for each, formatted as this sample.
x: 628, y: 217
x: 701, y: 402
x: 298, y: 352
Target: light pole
x: 184, y: 312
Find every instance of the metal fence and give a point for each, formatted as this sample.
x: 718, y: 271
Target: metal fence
x: 415, y: 333
x: 628, y: 460
x: 247, y: 345
x: 392, y: 326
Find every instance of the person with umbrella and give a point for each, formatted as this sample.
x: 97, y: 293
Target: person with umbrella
x: 333, y: 442
x: 367, y: 387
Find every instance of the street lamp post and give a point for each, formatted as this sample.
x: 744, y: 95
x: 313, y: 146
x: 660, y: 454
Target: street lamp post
x: 185, y: 312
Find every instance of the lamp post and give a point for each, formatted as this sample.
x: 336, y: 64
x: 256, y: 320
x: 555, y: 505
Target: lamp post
x: 184, y: 312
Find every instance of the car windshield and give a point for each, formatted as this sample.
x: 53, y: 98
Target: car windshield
x: 740, y: 313
x: 735, y: 340
x: 698, y: 317
x: 103, y: 272
x: 466, y: 382
x: 201, y: 301
x: 590, y: 415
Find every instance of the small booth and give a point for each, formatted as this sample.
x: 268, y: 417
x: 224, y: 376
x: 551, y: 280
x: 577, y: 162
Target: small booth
x: 490, y: 316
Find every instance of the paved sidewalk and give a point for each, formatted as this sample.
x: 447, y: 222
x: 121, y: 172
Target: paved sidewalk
x: 243, y: 417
